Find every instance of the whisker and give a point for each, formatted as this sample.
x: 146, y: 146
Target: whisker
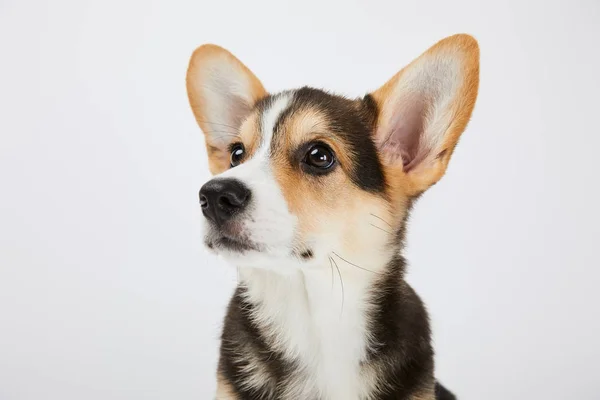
x: 381, y: 229
x: 341, y: 284
x: 331, y: 265
x: 359, y: 267
x: 378, y: 217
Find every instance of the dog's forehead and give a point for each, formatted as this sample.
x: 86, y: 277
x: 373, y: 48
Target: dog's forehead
x: 285, y: 121
x: 294, y: 113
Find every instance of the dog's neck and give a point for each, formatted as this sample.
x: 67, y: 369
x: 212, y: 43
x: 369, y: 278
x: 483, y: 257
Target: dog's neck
x: 318, y: 317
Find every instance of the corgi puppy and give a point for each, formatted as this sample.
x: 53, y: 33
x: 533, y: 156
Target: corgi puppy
x: 309, y: 200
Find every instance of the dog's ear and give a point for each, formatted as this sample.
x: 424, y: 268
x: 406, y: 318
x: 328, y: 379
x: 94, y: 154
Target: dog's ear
x: 424, y: 108
x: 221, y: 91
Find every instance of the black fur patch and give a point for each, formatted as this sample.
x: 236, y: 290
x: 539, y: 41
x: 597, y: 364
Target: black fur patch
x: 400, y: 347
x: 352, y: 121
x: 441, y: 393
x: 400, y: 325
x: 400, y: 335
x: 242, y: 341
x: 306, y: 254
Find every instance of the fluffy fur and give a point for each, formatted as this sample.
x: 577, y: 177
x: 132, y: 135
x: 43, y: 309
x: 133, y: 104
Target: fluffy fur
x: 322, y: 310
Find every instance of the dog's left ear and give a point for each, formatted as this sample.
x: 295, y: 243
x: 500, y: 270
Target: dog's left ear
x: 424, y: 108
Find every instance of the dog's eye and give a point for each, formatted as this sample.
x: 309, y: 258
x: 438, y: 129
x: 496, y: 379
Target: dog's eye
x: 237, y: 154
x: 319, y: 156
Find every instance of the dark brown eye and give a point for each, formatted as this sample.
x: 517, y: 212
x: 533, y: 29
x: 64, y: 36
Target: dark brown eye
x: 237, y: 154
x: 319, y: 156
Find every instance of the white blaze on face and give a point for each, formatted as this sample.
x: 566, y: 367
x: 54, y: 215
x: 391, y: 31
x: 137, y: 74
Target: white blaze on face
x: 268, y: 222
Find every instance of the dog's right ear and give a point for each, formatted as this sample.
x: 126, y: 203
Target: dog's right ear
x: 221, y: 91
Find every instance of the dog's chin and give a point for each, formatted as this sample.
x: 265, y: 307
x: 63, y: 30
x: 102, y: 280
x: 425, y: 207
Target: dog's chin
x: 225, y: 244
x: 244, y: 253
x: 235, y: 244
x: 230, y: 246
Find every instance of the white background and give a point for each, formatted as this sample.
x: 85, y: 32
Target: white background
x: 105, y: 289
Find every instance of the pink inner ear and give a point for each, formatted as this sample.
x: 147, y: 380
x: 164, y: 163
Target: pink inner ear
x: 237, y: 110
x: 403, y: 134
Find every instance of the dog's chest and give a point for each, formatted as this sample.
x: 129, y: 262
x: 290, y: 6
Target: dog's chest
x: 320, y: 329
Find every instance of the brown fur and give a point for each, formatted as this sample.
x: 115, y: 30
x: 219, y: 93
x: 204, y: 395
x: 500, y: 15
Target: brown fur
x: 330, y: 197
x: 202, y: 61
x: 461, y: 109
x: 347, y: 203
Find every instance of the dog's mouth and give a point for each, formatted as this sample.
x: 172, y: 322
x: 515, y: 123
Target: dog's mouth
x: 231, y: 244
x: 229, y: 238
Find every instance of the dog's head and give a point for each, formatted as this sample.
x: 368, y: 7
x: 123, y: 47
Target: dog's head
x: 303, y: 174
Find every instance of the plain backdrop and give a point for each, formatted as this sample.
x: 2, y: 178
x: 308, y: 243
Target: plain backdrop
x: 105, y: 289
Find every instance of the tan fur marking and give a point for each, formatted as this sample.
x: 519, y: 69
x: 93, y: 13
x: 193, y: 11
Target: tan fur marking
x: 428, y: 394
x: 330, y: 198
x: 219, y: 159
x: 250, y: 134
x: 326, y: 197
x: 224, y: 389
x: 301, y: 127
x: 330, y: 209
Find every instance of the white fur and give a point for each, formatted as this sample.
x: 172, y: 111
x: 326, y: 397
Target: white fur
x: 317, y: 315
x: 438, y: 78
x: 313, y: 322
x: 270, y: 224
x: 269, y: 119
x: 314, y: 312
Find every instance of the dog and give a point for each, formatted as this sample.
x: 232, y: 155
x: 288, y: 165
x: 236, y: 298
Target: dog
x: 309, y: 199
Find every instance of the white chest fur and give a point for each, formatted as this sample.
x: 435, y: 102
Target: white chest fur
x: 318, y: 319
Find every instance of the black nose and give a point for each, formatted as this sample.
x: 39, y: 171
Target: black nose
x: 220, y: 199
